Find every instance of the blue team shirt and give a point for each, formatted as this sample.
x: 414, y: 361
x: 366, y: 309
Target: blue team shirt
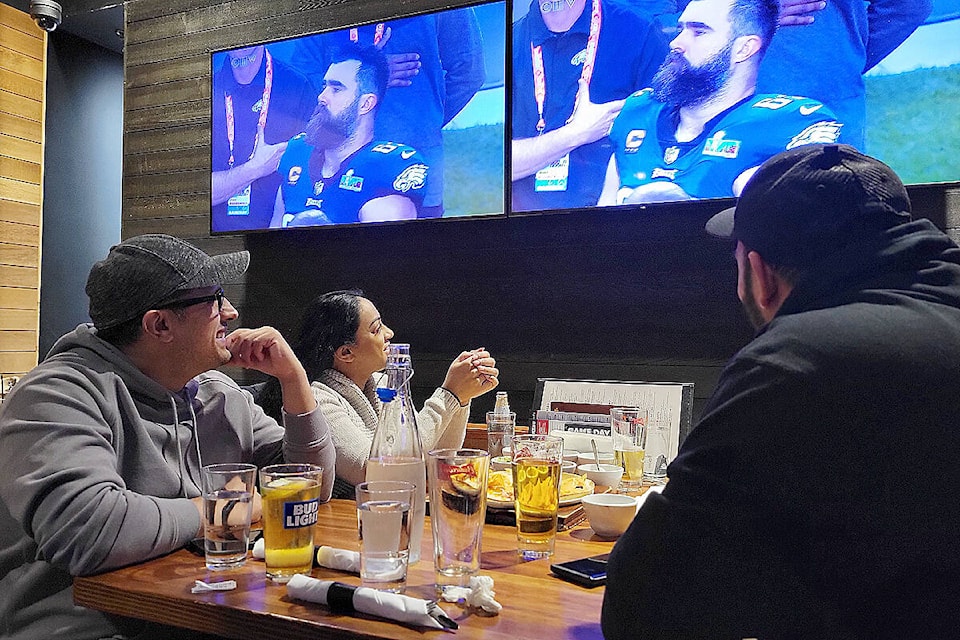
x: 740, y: 138
x: 377, y: 169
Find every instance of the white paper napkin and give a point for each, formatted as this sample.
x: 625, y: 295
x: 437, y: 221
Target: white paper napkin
x: 479, y: 594
x: 657, y: 488
x: 343, y: 598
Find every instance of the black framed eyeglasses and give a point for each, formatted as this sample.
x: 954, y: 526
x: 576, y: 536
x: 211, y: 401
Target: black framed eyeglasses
x: 189, y: 302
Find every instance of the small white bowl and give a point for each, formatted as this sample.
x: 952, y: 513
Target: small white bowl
x: 609, y: 514
x: 571, y: 455
x: 498, y: 463
x: 568, y: 467
x: 608, y: 475
x: 606, y: 457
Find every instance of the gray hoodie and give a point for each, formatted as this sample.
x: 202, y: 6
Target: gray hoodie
x: 98, y: 461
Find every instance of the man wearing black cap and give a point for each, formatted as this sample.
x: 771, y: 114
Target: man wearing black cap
x: 817, y: 495
x: 103, y: 442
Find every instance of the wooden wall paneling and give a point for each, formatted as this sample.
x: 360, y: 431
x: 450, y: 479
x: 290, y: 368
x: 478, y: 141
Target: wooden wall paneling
x: 152, y: 117
x: 175, y: 91
x: 193, y: 181
x: 21, y: 341
x: 165, y: 206
x: 187, y: 226
x: 18, y: 255
x: 166, y: 161
x: 17, y: 362
x: 160, y: 72
x: 22, y: 86
x: 20, y: 234
x: 15, y: 126
x: 13, y: 189
x: 19, y: 298
x: 16, y: 83
x: 18, y: 276
x: 181, y: 136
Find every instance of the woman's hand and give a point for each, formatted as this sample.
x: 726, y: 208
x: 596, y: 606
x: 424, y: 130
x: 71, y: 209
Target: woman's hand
x: 471, y: 374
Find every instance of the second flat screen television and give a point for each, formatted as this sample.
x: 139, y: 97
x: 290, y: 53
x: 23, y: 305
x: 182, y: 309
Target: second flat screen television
x: 711, y: 91
x: 395, y: 120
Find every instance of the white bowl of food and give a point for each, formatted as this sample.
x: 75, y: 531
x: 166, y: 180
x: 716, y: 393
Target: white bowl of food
x: 606, y: 457
x: 609, y: 514
x: 607, y: 475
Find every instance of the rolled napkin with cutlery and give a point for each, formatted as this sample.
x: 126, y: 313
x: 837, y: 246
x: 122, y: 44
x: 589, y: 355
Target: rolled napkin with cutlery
x: 339, y: 559
x: 344, y: 598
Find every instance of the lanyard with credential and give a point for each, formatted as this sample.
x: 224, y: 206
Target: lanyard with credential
x: 264, y: 107
x: 539, y: 76
x: 377, y: 33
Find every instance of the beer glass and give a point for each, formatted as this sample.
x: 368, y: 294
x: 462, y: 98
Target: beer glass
x: 291, y: 499
x: 628, y: 428
x: 536, y: 493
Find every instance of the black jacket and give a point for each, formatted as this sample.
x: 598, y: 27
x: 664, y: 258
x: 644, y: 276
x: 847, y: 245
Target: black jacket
x: 819, y: 495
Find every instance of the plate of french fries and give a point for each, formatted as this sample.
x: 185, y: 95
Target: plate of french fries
x: 500, y: 489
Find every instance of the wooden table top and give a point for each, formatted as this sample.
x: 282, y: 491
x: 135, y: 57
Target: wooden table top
x: 536, y: 604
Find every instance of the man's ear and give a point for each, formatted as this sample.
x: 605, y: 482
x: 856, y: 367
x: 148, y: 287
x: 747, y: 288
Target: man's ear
x: 767, y: 286
x: 368, y: 101
x: 745, y: 47
x: 344, y: 353
x: 156, y: 324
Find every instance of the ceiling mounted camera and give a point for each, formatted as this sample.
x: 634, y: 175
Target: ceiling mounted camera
x: 46, y: 13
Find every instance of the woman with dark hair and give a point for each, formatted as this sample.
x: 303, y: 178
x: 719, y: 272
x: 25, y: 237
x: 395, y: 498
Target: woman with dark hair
x: 343, y: 345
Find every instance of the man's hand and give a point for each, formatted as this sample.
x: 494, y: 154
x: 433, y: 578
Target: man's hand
x: 265, y: 350
x: 309, y: 218
x: 799, y: 12
x: 402, y: 66
x: 591, y: 121
x: 652, y: 192
x: 266, y: 157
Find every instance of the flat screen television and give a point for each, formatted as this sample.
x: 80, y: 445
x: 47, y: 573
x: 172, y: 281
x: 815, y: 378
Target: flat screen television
x: 810, y: 87
x: 396, y: 120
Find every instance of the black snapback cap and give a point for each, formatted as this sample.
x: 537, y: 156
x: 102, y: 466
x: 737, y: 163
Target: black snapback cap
x: 806, y: 203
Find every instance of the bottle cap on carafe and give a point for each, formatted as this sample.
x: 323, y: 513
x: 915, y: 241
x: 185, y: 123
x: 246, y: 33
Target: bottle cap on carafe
x: 386, y: 394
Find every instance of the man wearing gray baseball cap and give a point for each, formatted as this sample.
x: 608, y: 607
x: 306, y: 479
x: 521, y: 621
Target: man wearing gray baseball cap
x: 817, y: 496
x: 103, y: 442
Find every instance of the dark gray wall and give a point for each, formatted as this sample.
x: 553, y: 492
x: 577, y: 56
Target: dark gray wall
x: 83, y: 159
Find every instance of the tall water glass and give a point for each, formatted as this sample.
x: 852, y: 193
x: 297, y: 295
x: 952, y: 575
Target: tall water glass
x: 384, y: 520
x: 458, y: 506
x: 227, y: 503
x: 536, y: 493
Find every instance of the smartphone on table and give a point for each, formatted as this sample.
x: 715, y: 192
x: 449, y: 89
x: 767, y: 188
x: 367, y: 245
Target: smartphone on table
x: 588, y: 572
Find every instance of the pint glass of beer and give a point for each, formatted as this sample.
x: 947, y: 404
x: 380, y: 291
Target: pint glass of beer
x: 291, y: 498
x: 536, y: 493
